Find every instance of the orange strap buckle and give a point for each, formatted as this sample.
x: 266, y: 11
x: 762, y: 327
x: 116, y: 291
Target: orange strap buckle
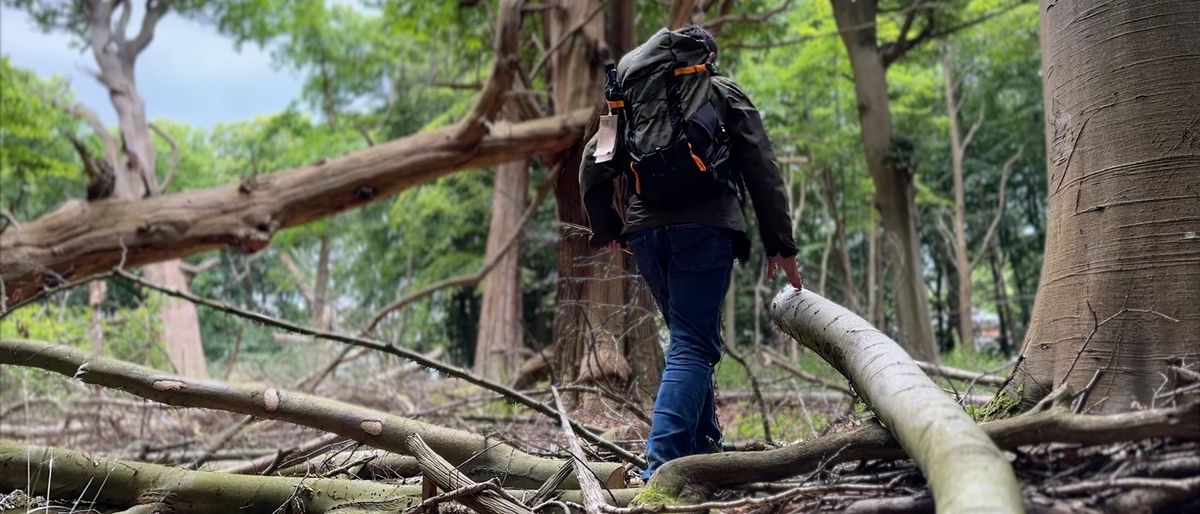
x: 688, y: 70
x: 699, y: 162
x: 616, y: 104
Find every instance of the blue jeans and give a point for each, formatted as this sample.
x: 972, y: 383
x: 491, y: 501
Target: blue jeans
x: 687, y: 268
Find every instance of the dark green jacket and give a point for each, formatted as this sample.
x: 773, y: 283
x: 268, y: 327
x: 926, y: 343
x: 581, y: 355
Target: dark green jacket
x: 751, y: 158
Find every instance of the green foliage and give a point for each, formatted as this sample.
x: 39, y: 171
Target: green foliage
x: 131, y: 333
x: 38, y: 167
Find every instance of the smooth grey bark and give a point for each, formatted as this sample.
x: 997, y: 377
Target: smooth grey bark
x: 1120, y: 289
x: 964, y: 468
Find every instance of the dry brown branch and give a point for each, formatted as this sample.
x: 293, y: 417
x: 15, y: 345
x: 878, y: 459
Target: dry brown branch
x: 57, y: 248
x: 593, y: 497
x: 758, y: 397
x: 782, y: 362
x: 268, y: 463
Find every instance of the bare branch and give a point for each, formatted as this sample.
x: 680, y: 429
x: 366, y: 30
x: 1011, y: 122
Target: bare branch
x: 201, y: 267
x: 593, y: 498
x: 155, y: 10
x: 991, y: 230
x: 162, y: 186
x: 123, y: 23
x: 971, y: 133
x: 716, y: 23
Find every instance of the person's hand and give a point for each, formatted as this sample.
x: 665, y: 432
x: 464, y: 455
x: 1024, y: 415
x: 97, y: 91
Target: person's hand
x: 615, y: 247
x: 788, y: 265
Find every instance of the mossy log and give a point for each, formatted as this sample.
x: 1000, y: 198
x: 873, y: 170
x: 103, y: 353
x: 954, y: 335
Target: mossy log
x: 120, y: 484
x: 966, y: 471
x: 479, y: 457
x: 116, y: 483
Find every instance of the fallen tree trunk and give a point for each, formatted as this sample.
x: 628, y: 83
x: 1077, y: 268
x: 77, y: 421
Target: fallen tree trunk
x: 121, y: 483
x: 478, y: 455
x: 1051, y: 422
x: 965, y: 470
x: 84, y: 238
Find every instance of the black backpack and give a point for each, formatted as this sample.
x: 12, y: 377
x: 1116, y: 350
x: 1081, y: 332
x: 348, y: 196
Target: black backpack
x: 671, y: 133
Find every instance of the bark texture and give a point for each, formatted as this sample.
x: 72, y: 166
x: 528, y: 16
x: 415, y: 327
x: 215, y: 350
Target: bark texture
x: 481, y: 456
x: 501, y: 331
x: 891, y: 174
x: 965, y: 470
x: 1117, y: 301
x: 85, y: 238
x: 602, y: 334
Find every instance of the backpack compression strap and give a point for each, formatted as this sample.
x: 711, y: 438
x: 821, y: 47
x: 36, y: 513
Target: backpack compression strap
x: 688, y: 70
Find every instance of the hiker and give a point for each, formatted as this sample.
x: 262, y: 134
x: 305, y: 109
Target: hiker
x: 690, y: 146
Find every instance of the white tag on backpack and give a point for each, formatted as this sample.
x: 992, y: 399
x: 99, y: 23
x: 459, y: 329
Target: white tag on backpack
x: 606, y: 138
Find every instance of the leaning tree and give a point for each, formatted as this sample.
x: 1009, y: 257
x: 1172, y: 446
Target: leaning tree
x: 1119, y: 298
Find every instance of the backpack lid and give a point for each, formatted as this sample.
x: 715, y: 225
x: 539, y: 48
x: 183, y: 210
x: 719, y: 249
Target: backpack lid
x: 646, y: 73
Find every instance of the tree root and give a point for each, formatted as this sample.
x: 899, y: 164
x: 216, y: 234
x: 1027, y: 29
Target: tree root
x: 1053, y: 422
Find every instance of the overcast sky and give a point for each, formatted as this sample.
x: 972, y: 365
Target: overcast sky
x: 189, y: 73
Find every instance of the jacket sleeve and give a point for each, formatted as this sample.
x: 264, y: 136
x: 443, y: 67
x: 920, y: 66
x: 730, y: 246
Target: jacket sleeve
x: 753, y: 158
x: 596, y: 186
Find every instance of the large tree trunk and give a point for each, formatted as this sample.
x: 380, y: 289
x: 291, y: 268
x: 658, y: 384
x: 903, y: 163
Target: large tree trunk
x: 501, y: 332
x: 965, y: 470
x: 87, y: 238
x: 595, y: 292
x: 1120, y: 283
x: 180, y: 322
x: 893, y: 180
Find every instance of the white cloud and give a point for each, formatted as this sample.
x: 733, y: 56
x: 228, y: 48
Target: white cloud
x: 189, y: 73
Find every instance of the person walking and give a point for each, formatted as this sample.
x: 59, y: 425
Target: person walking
x: 690, y: 146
